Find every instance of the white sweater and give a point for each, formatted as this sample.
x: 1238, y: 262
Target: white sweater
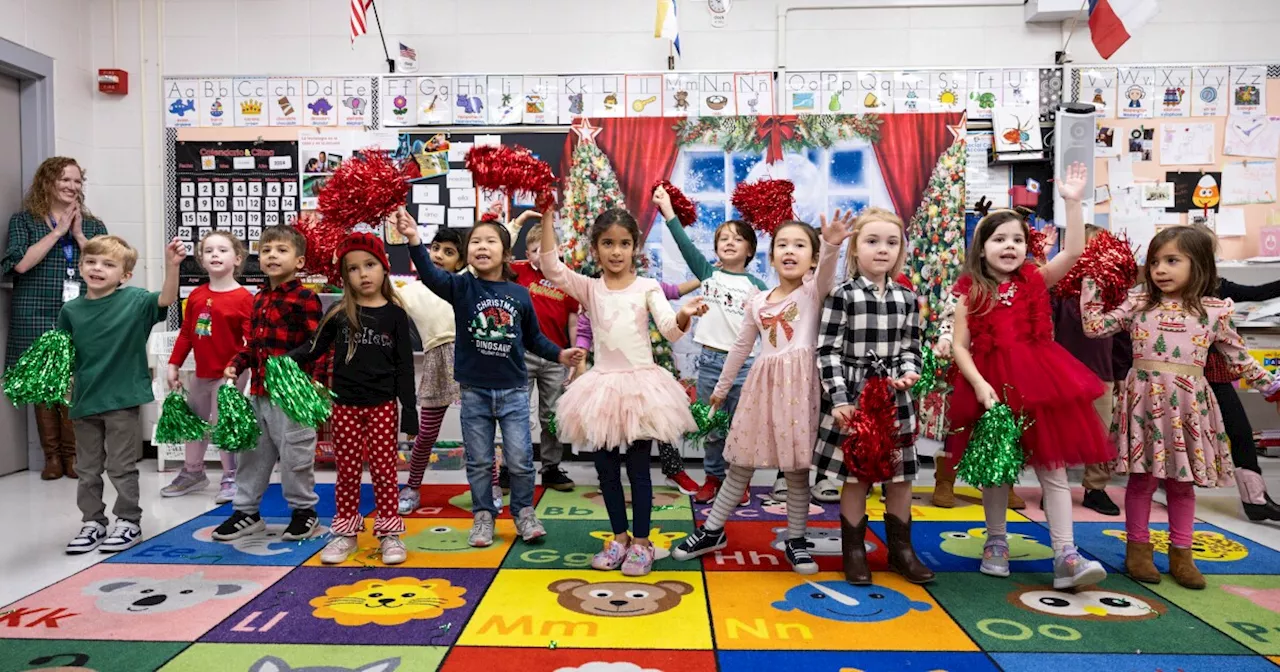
x: 432, y: 315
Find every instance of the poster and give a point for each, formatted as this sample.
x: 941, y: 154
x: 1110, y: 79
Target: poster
x: 1195, y: 191
x: 754, y: 91
x: 1249, y: 90
x: 1249, y: 182
x: 1136, y: 87
x: 644, y: 96
x: 1175, y: 87
x: 680, y: 97
x: 1209, y: 92
x: 250, y: 97
x: 321, y: 99
x: 506, y: 100
x: 435, y: 101
x: 399, y: 101
x: 284, y: 102
x: 1186, y: 144
x: 216, y: 103
x: 1104, y: 144
x: 354, y: 98
x: 1141, y: 141
x: 1098, y: 86
x: 541, y: 100
x: 948, y: 90
x: 319, y: 154
x: 983, y: 180
x: 1017, y: 129
x: 1252, y: 136
x: 180, y: 96
x: 985, y: 89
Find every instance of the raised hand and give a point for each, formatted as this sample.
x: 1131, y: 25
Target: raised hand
x: 175, y: 252
x: 1071, y: 185
x: 77, y: 221
x: 839, y: 228
x: 663, y: 200
x: 694, y: 307
x: 406, y: 226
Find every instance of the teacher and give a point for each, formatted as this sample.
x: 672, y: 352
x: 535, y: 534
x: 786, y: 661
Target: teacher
x: 43, y: 254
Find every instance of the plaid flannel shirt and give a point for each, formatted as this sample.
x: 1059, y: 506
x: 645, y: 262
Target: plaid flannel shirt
x: 857, y: 322
x: 283, y: 318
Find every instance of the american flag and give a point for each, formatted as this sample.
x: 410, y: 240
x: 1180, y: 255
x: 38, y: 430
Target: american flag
x: 407, y: 52
x: 359, y: 22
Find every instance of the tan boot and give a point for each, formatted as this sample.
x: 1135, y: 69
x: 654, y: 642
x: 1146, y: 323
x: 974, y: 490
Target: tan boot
x: 944, y: 481
x: 49, y: 427
x: 1184, y: 570
x: 1015, y: 502
x: 1138, y: 563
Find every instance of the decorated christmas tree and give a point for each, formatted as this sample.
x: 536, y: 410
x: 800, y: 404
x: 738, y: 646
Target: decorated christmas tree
x: 937, y: 238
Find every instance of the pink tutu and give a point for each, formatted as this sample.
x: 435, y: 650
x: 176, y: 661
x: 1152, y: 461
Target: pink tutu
x: 606, y: 409
x: 773, y: 426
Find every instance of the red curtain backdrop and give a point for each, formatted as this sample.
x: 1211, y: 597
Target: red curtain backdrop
x: 642, y: 151
x: 909, y: 147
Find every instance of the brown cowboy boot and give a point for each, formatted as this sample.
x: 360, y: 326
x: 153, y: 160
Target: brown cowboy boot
x: 67, y: 446
x: 1015, y: 502
x: 944, y: 481
x: 1183, y: 568
x: 902, y: 557
x: 853, y: 546
x: 1138, y: 563
x: 49, y: 427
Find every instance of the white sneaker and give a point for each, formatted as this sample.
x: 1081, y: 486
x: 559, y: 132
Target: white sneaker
x: 90, y: 537
x: 338, y: 550
x: 393, y: 551
x: 123, y: 536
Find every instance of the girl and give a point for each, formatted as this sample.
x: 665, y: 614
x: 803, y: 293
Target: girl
x: 1004, y: 349
x: 1167, y: 422
x: 372, y: 368
x: 866, y: 320
x: 214, y: 326
x: 437, y: 390
x: 780, y: 399
x: 497, y: 317
x: 625, y: 400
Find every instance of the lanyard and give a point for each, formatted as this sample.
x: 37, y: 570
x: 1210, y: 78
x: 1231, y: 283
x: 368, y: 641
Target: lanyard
x: 68, y: 249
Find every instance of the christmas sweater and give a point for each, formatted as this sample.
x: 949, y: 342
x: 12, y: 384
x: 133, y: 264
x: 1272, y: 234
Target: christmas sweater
x: 214, y: 326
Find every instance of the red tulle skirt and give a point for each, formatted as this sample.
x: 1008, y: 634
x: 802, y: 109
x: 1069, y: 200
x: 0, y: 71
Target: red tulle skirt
x: 1052, y: 389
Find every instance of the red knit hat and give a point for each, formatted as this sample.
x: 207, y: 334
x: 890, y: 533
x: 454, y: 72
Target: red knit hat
x: 364, y: 242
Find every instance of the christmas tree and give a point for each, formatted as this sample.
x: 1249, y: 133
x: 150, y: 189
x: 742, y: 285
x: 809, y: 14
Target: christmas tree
x: 937, y: 237
x: 1160, y: 346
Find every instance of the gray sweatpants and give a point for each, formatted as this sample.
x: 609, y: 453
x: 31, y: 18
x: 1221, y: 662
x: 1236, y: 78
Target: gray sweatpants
x: 110, y: 441
x: 284, y: 441
x: 548, y: 378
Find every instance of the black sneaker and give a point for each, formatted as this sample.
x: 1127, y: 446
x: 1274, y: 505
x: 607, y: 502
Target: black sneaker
x: 701, y: 542
x: 240, y: 524
x: 302, y: 526
x: 798, y: 555
x: 504, y: 480
x: 1100, y: 502
x: 556, y: 479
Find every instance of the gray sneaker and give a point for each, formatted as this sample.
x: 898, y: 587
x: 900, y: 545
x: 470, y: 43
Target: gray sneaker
x: 995, y: 557
x: 481, y: 530
x: 1072, y: 570
x: 528, y: 525
x: 410, y: 498
x: 185, y: 483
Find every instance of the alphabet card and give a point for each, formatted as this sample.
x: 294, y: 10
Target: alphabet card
x: 321, y: 96
x: 284, y: 102
x: 606, y: 98
x: 506, y: 100
x: 801, y: 92
x: 1136, y: 87
x: 1210, y: 91
x: 354, y: 98
x: 469, y: 105
x: 839, y: 93
x: 681, y: 96
x: 399, y: 101
x: 754, y: 91
x: 541, y: 100
x: 180, y: 96
x: 948, y: 90
x: 574, y: 91
x: 874, y: 92
x: 718, y: 98
x: 435, y: 101
x: 1098, y: 86
x: 1021, y: 88
x: 644, y: 96
x: 910, y: 91
x: 1249, y: 90
x: 216, y: 103
x: 250, y: 99
x: 1175, y: 85
x: 986, y: 89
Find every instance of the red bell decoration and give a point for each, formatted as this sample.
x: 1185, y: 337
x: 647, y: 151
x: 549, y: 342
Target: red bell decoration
x: 871, y: 441
x: 765, y: 204
x: 364, y: 189
x: 1107, y: 259
x: 511, y: 170
x: 684, y: 208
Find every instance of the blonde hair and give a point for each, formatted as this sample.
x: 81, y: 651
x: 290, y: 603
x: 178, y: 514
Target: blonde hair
x: 874, y: 214
x: 111, y: 246
x: 237, y: 247
x: 535, y: 234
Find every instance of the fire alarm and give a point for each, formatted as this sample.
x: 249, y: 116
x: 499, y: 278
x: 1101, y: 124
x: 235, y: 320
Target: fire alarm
x: 113, y: 81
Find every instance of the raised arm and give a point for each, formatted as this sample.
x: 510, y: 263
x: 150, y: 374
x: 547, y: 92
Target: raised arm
x: 174, y: 253
x: 437, y: 280
x: 1071, y: 189
x: 574, y: 284
x: 1237, y: 292
x: 1099, y: 324
x: 738, y: 354
x: 686, y: 287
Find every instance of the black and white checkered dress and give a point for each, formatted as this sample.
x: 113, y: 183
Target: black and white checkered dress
x: 858, y: 322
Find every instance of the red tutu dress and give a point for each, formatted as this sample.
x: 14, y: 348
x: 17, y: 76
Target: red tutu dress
x: 1012, y: 345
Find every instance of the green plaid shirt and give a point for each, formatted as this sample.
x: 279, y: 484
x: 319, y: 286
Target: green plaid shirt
x: 37, y: 294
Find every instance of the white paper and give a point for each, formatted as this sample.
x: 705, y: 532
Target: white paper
x: 1231, y: 222
x: 1140, y: 230
x: 381, y: 139
x: 1249, y: 90
x: 1252, y: 136
x: 461, y: 217
x: 1017, y: 129
x: 1162, y: 218
x: 426, y: 193
x: 427, y: 233
x: 1186, y: 144
x: 242, y: 162
x: 1101, y: 194
x: 1157, y: 195
x: 459, y: 198
x: 1247, y: 182
x: 488, y: 140
x: 458, y: 151
x: 281, y: 162
x: 1210, y: 90
x: 982, y: 179
x: 458, y: 179
x: 431, y: 214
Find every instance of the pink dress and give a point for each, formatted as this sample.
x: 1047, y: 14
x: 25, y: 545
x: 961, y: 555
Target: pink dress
x: 625, y: 397
x: 776, y: 424
x: 1167, y: 421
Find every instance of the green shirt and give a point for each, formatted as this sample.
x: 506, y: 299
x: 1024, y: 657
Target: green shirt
x: 110, y: 338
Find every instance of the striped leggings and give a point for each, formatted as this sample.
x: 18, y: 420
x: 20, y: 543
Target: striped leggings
x: 736, y: 481
x: 429, y: 421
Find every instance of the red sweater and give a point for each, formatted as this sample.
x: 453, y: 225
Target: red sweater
x: 214, y: 325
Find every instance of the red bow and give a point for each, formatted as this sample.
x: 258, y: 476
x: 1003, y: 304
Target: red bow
x: 772, y: 322
x: 774, y: 130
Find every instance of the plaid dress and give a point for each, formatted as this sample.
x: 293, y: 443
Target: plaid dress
x: 857, y: 322
x: 37, y: 294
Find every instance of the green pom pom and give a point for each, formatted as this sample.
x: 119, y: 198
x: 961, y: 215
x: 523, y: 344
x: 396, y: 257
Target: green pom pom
x: 305, y: 401
x: 994, y: 456
x: 237, y: 429
x: 42, y: 375
x: 708, y: 421
x: 178, y: 423
x: 551, y: 425
x: 930, y: 372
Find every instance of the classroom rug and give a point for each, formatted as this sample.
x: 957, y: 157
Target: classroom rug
x: 180, y: 602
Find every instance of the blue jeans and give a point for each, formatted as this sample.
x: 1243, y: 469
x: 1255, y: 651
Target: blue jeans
x: 482, y: 410
x: 710, y: 364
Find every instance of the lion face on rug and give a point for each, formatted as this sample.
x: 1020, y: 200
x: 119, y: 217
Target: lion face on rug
x: 619, y: 598
x: 388, y: 601
x: 1206, y: 546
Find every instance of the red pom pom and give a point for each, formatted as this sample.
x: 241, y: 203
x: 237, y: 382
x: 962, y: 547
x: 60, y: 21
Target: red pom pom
x: 685, y: 210
x: 765, y: 204
x: 365, y: 189
x: 511, y: 170
x: 1035, y: 243
x: 489, y: 217
x: 871, y: 445
x: 1107, y: 259
x: 323, y: 238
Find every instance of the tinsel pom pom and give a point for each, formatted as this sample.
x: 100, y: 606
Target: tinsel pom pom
x: 684, y: 208
x: 550, y: 424
x: 178, y: 423
x: 512, y: 170
x: 1108, y: 259
x: 42, y: 375
x: 365, y: 188
x: 930, y: 374
x: 1035, y: 244
x: 871, y: 441
x: 301, y: 398
x: 765, y: 204
x: 708, y: 421
x: 237, y: 428
x: 994, y: 456
x: 323, y: 237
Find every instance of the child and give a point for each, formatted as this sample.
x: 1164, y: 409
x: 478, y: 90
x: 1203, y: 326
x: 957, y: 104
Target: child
x: 625, y: 400
x: 497, y: 317
x: 285, y: 314
x: 778, y: 425
x: 1004, y: 350
x: 1167, y: 423
x: 870, y: 319
x: 726, y: 288
x: 437, y: 390
x: 214, y: 326
x: 109, y: 327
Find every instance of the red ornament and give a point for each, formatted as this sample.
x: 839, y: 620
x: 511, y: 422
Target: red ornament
x: 1107, y: 259
x: 871, y: 444
x: 511, y: 170
x: 365, y: 189
x: 765, y: 204
x: 323, y: 238
x: 685, y: 210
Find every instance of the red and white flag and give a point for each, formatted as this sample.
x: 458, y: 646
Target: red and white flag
x: 359, y: 18
x: 1113, y: 22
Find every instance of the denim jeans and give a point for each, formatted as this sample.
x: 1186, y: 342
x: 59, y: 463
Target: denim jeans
x: 483, y: 409
x: 710, y: 364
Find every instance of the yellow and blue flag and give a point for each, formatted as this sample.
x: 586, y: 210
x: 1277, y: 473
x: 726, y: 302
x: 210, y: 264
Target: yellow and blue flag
x: 667, y: 25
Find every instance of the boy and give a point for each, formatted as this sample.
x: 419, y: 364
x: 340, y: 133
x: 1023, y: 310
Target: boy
x: 285, y: 314
x: 109, y: 327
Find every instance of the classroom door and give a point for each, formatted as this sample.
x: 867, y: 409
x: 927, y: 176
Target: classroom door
x: 13, y: 421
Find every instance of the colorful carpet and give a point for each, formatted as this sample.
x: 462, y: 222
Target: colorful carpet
x: 182, y: 602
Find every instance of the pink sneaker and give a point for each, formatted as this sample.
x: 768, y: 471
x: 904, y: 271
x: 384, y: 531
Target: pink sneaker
x: 611, y: 557
x: 639, y: 560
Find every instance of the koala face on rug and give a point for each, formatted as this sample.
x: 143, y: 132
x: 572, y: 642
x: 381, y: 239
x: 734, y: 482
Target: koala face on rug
x: 138, y: 595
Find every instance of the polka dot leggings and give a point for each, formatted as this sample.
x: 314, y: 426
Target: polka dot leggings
x: 363, y: 433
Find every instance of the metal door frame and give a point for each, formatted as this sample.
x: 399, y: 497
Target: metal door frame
x: 34, y: 72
